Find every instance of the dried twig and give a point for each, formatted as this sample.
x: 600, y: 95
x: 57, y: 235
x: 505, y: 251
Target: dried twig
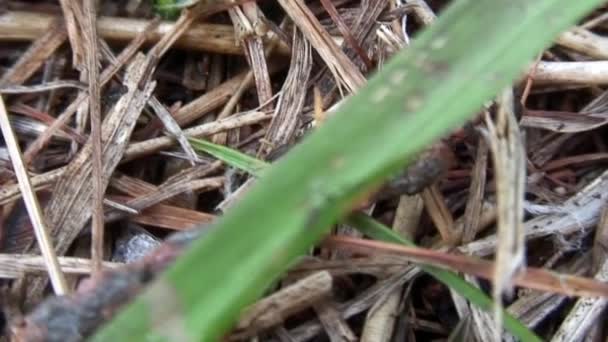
x: 249, y: 22
x: 216, y: 38
x: 139, y: 149
x: 71, y: 14
x: 32, y: 205
x: 166, y: 191
x: 172, y: 217
x: 274, y: 309
x: 472, y: 214
x: 89, y: 35
x: 11, y: 192
x: 291, y: 101
x: 13, y: 89
x: 584, y: 73
x: 434, y: 203
x: 585, y: 42
x: 16, y: 265
x: 509, y: 158
x: 153, y: 56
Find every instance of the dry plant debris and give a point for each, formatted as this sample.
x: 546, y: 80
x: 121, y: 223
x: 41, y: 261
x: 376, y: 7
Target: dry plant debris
x: 103, y: 96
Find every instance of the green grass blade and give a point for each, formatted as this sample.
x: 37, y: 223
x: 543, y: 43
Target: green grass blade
x: 378, y: 231
x: 471, y: 52
x: 169, y: 9
x: 230, y: 156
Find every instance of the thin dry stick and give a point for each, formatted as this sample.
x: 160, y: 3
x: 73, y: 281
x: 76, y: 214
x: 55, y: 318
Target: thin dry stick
x: 32, y: 205
x: 250, y: 28
x: 15, y: 265
x: 275, y: 308
x: 71, y: 11
x: 142, y: 148
x: 285, y: 120
x: 19, y: 26
x: 595, y: 21
x: 89, y: 32
x: 231, y: 104
x: 259, y: 73
x: 436, y: 207
x: 505, y: 142
x: 10, y: 192
x: 583, y: 73
x: 585, y: 42
x: 473, y: 210
x: 166, y: 192
x: 46, y: 86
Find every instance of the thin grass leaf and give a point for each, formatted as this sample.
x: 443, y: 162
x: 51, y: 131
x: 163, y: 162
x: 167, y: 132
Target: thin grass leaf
x: 378, y: 231
x: 230, y: 156
x: 471, y: 52
x: 169, y: 9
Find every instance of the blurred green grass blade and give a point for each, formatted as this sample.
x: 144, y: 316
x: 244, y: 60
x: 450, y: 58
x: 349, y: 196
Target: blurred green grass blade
x: 378, y: 231
x: 170, y: 9
x: 230, y: 156
x: 473, y: 50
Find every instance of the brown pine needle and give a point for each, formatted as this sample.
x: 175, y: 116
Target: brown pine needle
x: 531, y: 277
